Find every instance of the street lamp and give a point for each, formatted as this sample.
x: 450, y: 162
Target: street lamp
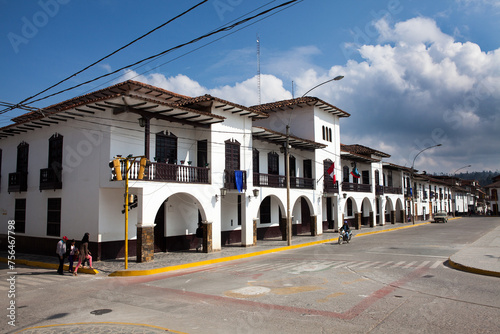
x: 287, y: 171
x: 411, y: 182
x: 461, y: 168
x: 337, y: 78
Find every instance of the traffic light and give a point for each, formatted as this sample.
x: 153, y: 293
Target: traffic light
x: 142, y: 166
x: 115, y: 164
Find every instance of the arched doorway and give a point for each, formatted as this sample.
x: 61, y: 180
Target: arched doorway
x: 176, y: 221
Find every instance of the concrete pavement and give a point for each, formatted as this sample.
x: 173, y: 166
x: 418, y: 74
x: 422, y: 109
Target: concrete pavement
x: 481, y: 257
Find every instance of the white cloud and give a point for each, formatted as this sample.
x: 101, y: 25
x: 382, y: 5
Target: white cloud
x: 245, y: 93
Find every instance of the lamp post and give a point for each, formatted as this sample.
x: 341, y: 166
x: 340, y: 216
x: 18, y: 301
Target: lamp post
x: 287, y: 171
x: 411, y: 182
x: 455, y: 172
x: 337, y: 78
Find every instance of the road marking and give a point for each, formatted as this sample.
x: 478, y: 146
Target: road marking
x: 436, y: 264
x: 384, y: 264
x: 409, y: 264
x: 423, y: 264
x: 330, y: 296
x: 398, y: 264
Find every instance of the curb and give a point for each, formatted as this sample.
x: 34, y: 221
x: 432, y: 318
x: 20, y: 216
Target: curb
x: 46, y: 265
x: 462, y: 267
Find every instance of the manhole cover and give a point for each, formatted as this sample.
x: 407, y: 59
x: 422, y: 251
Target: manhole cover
x: 101, y: 311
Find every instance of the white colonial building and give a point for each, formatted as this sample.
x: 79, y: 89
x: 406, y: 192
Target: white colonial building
x: 211, y: 161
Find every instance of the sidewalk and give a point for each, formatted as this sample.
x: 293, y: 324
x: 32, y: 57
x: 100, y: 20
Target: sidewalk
x: 482, y: 257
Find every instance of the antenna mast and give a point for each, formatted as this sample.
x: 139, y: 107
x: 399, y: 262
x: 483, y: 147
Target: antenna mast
x: 258, y: 67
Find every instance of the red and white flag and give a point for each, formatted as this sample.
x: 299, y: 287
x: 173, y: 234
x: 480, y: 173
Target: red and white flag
x: 331, y: 172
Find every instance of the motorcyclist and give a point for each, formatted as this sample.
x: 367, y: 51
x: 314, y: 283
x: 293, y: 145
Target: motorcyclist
x: 346, y: 229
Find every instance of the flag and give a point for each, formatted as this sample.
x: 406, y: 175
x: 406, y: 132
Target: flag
x: 331, y: 172
x: 355, y: 172
x: 238, y: 177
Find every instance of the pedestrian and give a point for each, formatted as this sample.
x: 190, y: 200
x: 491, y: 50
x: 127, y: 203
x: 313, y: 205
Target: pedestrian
x: 84, y: 253
x: 73, y: 254
x: 199, y: 236
x: 61, y: 252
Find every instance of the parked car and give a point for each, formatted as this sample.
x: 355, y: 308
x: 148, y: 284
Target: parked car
x: 441, y: 216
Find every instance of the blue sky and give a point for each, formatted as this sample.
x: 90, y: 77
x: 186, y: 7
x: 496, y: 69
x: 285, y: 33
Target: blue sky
x: 417, y: 73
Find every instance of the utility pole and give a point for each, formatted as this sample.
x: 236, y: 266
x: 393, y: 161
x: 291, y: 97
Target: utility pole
x: 126, y: 212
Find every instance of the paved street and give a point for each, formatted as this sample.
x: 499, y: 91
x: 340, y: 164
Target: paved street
x: 398, y: 281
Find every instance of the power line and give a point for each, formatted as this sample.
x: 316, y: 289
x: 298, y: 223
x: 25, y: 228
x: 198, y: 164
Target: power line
x: 112, y: 53
x: 206, y: 44
x: 226, y: 28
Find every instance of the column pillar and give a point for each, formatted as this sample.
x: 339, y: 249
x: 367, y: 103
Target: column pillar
x: 254, y: 232
x: 314, y: 226
x: 283, y: 229
x: 372, y: 219
x: 357, y: 221
x: 145, y: 243
x: 207, y: 238
x: 393, y: 217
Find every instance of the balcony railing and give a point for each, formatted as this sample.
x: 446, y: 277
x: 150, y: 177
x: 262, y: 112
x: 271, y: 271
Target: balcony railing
x: 18, y: 182
x: 330, y: 187
x: 393, y: 190
x: 347, y: 186
x: 379, y: 190
x: 163, y: 172
x: 279, y: 181
x: 230, y: 179
x: 269, y: 180
x: 50, y: 178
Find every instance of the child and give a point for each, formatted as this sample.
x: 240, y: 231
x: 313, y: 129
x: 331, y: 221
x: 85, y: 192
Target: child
x: 72, y: 255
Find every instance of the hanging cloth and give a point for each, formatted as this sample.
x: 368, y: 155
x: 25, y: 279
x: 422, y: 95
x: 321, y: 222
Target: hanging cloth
x: 238, y: 176
x: 355, y: 172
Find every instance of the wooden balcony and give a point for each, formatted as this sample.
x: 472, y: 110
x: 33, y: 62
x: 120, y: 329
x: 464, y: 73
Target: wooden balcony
x: 18, y: 182
x: 279, y: 181
x: 393, y: 190
x: 50, y: 178
x: 379, y: 190
x: 356, y: 187
x: 330, y: 187
x: 230, y: 179
x: 163, y: 172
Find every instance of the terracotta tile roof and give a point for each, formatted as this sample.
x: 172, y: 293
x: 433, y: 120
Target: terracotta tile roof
x: 111, y: 91
x: 363, y: 150
x: 207, y: 97
x: 309, y: 100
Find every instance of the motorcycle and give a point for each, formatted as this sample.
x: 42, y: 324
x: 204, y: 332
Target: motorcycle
x: 343, y: 237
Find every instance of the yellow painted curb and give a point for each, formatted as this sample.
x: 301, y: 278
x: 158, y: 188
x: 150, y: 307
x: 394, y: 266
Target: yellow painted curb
x: 46, y: 265
x: 104, y: 323
x: 472, y: 270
